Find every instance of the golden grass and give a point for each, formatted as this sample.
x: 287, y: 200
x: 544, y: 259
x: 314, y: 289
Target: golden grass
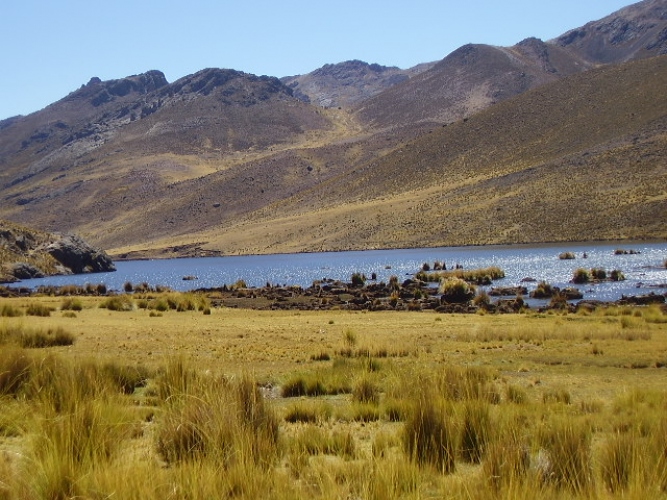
x: 534, y: 405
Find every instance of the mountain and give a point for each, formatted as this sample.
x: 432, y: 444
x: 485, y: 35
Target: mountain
x: 348, y: 83
x: 536, y: 142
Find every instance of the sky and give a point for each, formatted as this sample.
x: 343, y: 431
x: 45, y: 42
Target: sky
x: 50, y: 48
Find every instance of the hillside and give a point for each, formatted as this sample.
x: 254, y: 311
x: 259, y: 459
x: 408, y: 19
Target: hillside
x: 531, y: 143
x: 579, y: 159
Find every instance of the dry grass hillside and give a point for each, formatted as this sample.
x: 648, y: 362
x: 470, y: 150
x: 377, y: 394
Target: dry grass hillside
x: 582, y: 158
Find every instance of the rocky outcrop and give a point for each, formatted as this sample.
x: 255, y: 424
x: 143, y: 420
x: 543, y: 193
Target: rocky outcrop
x: 27, y: 253
x: 78, y: 257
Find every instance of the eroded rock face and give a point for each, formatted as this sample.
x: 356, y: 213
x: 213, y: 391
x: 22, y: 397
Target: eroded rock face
x: 78, y: 256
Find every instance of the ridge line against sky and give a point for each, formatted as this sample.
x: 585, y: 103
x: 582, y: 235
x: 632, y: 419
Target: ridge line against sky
x: 52, y: 48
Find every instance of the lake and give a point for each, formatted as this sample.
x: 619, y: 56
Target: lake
x: 645, y: 271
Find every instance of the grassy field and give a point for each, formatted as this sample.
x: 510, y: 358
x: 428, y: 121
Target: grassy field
x: 149, y: 402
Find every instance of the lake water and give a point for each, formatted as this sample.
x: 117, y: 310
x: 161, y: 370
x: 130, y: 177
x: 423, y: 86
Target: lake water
x: 645, y: 272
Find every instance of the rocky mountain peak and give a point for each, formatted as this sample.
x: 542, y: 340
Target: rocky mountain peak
x: 99, y: 92
x: 346, y: 83
x: 230, y: 81
x: 636, y: 31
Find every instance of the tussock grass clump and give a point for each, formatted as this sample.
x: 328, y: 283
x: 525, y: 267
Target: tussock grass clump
x: 126, y: 378
x: 71, y: 304
x: 71, y: 445
x: 51, y: 337
x: 118, y: 303
x: 464, y: 383
x: 317, y: 441
x: 516, y: 394
x: 428, y: 435
x: 15, y: 370
x: 10, y: 311
x: 307, y: 413
x: 618, y: 461
x: 476, y: 431
x: 365, y: 412
x: 37, y: 309
x: 226, y: 421
x: 581, y: 276
x: 567, y: 459
x: 322, y: 356
x: 366, y: 391
x: 456, y: 291
x: 35, y: 338
x: 507, y: 459
x: 557, y: 396
x: 302, y: 386
x: 483, y: 276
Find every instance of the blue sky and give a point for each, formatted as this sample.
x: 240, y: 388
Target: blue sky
x: 51, y: 48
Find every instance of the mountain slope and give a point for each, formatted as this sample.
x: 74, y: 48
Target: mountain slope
x: 581, y: 158
x: 467, y: 81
